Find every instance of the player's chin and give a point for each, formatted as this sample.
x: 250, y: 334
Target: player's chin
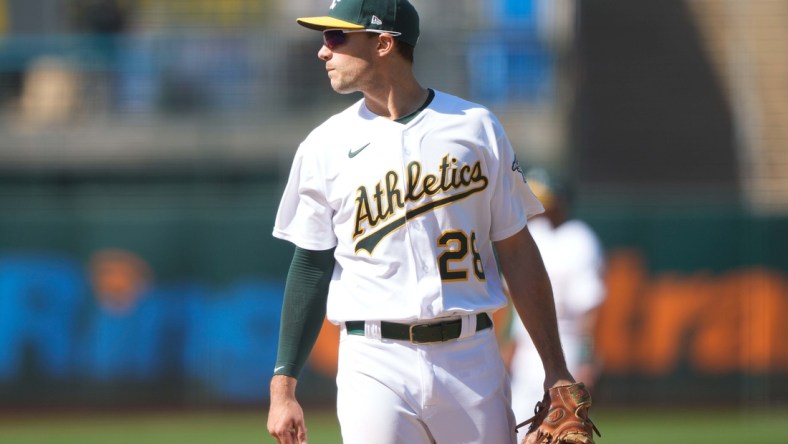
x: 342, y: 88
x: 342, y: 83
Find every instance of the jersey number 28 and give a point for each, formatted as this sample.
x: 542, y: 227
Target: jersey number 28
x: 458, y: 244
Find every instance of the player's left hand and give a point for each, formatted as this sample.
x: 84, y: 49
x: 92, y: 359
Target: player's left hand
x: 562, y: 417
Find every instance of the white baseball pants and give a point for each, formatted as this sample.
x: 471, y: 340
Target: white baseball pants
x: 395, y: 392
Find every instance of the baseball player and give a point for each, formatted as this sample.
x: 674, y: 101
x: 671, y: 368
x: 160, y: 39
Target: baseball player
x: 574, y: 261
x: 397, y: 207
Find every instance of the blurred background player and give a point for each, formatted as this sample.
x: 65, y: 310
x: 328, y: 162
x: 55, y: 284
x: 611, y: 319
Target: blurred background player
x: 574, y: 260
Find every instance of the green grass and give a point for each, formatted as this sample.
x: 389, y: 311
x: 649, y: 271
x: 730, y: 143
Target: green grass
x: 694, y: 426
x: 154, y: 428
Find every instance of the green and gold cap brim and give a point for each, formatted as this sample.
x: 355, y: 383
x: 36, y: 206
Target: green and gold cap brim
x: 325, y: 22
x: 382, y: 15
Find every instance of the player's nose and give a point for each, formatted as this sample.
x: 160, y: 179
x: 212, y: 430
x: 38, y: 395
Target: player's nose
x: 324, y: 54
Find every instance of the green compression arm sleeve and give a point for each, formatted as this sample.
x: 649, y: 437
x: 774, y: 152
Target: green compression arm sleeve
x: 303, y: 308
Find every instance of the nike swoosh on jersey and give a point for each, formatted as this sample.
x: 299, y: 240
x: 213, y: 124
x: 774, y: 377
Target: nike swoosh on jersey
x: 353, y: 153
x: 279, y: 368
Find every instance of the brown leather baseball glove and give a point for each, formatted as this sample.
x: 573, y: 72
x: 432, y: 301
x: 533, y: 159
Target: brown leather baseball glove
x: 562, y: 417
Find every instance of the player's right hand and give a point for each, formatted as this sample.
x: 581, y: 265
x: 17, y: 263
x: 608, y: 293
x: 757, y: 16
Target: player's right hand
x: 285, y: 415
x: 286, y: 431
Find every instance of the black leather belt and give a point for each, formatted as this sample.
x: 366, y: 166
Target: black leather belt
x: 421, y: 333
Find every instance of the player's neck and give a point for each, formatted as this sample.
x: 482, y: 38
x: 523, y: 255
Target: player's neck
x: 397, y: 98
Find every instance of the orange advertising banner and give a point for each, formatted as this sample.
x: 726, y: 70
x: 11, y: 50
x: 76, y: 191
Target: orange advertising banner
x: 713, y: 324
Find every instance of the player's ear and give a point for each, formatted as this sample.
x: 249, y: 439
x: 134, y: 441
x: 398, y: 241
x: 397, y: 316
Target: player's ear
x: 385, y: 44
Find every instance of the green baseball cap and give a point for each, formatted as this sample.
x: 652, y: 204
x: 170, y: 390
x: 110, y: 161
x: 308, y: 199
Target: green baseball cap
x: 386, y: 15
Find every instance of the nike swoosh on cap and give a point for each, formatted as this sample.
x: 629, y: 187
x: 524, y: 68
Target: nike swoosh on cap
x: 351, y: 153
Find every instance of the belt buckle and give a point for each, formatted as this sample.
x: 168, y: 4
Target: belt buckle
x: 410, y: 333
x: 440, y: 325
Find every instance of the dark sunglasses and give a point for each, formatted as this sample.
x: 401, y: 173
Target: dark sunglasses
x: 336, y: 37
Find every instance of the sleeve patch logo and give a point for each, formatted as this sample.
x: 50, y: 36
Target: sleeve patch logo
x: 516, y: 167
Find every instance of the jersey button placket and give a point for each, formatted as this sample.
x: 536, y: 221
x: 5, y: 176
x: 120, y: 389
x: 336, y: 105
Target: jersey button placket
x: 419, y: 238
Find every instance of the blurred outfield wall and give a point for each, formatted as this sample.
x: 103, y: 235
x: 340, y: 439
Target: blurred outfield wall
x: 143, y: 152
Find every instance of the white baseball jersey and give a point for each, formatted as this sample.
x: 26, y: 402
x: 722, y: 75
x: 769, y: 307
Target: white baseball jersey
x: 412, y: 209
